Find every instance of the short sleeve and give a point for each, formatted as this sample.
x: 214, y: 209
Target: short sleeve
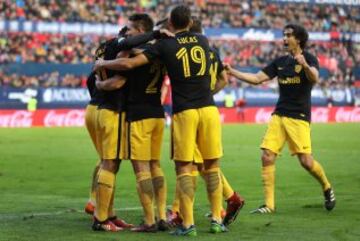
x: 153, y: 52
x: 312, y: 61
x: 270, y: 70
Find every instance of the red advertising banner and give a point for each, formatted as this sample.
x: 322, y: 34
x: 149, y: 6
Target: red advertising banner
x: 75, y: 117
x: 46, y: 118
x: 262, y: 114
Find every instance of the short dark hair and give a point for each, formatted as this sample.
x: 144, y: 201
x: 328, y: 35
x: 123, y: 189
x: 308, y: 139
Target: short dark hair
x: 142, y: 20
x: 180, y: 16
x: 299, y: 33
x: 196, y: 26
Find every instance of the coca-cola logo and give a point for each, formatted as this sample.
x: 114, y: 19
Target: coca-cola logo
x: 350, y: 115
x: 16, y: 119
x: 262, y: 115
x: 320, y: 115
x: 70, y: 118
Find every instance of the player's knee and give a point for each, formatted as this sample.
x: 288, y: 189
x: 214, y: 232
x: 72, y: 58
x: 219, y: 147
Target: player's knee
x: 110, y: 165
x: 140, y: 166
x: 306, y: 161
x: 183, y: 167
x: 116, y: 167
x: 267, y: 158
x: 211, y: 163
x: 154, y: 165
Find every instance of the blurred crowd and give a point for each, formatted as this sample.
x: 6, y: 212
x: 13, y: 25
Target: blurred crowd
x: 338, y: 57
x: 213, y: 13
x: 44, y: 48
x: 53, y: 79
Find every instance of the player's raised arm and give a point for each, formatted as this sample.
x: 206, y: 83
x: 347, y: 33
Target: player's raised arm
x: 134, y: 41
x: 250, y: 78
x: 113, y: 83
x: 121, y: 63
x: 310, y: 71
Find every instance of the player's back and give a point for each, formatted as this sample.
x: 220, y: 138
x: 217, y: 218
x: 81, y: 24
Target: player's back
x: 187, y: 60
x: 114, y: 99
x: 144, y: 89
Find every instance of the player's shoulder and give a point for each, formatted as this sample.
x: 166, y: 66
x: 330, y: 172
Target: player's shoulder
x: 112, y: 41
x: 309, y: 55
x: 200, y: 37
x: 280, y: 60
x: 160, y: 43
x: 100, y: 50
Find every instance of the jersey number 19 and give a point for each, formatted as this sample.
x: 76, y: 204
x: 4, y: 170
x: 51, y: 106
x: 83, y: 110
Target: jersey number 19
x: 197, y: 56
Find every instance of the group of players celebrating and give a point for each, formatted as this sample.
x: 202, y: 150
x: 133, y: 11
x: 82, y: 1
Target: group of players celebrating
x: 125, y: 120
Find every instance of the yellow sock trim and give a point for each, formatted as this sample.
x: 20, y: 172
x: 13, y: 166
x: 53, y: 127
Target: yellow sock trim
x: 105, y: 187
x: 194, y: 173
x: 268, y: 177
x: 146, y: 195
x: 318, y: 172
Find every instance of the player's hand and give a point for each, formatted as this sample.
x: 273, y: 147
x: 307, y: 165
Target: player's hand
x: 227, y: 68
x: 167, y: 33
x: 98, y: 82
x: 98, y: 64
x: 301, y: 60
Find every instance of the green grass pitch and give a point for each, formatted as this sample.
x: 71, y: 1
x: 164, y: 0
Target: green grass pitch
x: 45, y: 178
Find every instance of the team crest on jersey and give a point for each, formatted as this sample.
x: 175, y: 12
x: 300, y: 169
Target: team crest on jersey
x: 298, y: 68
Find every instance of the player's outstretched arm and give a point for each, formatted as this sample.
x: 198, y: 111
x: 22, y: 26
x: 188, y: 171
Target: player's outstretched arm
x: 113, y: 83
x: 250, y: 78
x: 134, y: 41
x: 121, y: 63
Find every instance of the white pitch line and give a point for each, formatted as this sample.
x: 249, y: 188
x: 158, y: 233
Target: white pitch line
x: 73, y: 210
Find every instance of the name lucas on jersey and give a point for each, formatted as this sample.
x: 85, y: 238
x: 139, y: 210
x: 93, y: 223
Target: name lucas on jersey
x: 187, y: 40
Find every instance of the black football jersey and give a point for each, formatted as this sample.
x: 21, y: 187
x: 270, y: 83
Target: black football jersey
x: 295, y: 88
x: 95, y: 94
x: 144, y: 90
x: 187, y: 60
x: 114, y: 99
x: 216, y: 66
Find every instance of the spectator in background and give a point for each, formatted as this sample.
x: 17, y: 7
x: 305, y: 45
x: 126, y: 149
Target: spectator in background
x: 229, y: 98
x: 256, y: 14
x: 240, y: 109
